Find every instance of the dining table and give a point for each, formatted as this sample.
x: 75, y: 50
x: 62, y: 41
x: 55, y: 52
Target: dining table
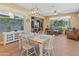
x: 40, y: 42
x: 40, y: 39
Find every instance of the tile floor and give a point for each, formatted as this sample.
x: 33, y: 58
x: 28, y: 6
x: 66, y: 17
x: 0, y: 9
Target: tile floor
x: 62, y: 47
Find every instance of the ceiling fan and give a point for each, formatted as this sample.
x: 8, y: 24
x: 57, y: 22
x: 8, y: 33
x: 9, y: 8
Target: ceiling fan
x: 55, y: 11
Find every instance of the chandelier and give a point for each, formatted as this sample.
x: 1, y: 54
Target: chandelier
x: 35, y: 11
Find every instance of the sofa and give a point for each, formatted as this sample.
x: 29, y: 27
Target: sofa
x: 56, y: 31
x: 73, y: 34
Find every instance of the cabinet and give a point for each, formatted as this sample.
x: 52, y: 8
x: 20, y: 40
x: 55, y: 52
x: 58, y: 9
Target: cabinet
x: 11, y: 36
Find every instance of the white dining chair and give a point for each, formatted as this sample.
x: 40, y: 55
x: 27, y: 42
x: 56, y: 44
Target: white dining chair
x: 26, y: 47
x: 48, y: 47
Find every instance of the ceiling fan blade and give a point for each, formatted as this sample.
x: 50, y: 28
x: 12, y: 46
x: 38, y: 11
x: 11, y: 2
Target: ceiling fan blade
x: 58, y: 12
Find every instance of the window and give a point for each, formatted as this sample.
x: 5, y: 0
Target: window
x: 11, y: 24
x: 60, y: 22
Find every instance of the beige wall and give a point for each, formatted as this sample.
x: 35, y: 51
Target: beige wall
x: 74, y: 21
x: 15, y: 8
x: 46, y: 21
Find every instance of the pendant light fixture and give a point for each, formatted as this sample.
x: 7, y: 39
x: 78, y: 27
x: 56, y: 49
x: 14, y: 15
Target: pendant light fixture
x: 35, y: 11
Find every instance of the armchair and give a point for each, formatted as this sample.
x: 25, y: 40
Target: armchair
x: 73, y: 34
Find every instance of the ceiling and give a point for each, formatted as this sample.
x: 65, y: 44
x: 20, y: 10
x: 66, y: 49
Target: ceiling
x: 46, y: 8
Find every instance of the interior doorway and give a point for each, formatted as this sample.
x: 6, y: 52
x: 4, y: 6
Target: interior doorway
x: 36, y: 24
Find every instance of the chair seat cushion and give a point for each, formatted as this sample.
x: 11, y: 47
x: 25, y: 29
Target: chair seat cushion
x: 26, y: 47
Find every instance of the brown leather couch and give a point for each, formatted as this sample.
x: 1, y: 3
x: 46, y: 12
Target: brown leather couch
x: 73, y: 35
